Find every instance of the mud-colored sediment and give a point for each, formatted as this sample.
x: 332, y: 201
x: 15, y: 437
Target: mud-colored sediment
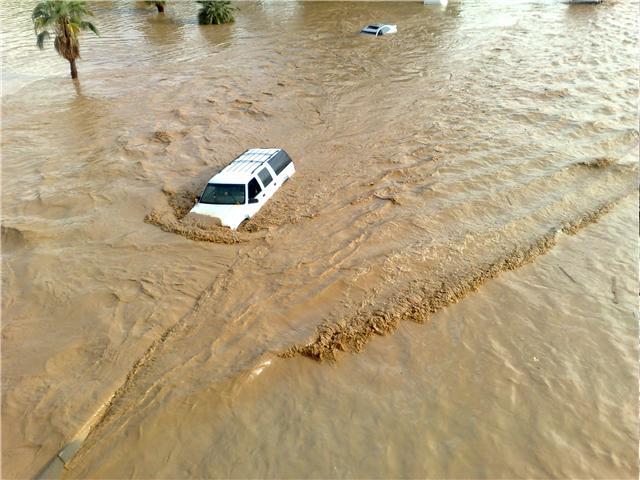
x: 176, y: 219
x: 417, y: 304
x: 420, y: 301
x: 194, y: 228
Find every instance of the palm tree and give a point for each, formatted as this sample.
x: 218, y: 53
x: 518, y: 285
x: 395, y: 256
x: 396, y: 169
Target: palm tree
x: 215, y: 12
x: 66, y: 20
x: 159, y: 4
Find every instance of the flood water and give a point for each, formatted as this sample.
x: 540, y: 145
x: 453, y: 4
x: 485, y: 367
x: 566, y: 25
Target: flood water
x: 486, y: 139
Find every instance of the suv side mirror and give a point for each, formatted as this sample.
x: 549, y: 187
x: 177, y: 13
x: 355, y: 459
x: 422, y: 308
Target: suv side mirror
x: 198, y: 199
x: 253, y: 200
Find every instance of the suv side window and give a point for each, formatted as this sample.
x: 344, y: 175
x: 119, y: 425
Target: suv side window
x: 279, y: 162
x: 265, y: 176
x: 254, y: 188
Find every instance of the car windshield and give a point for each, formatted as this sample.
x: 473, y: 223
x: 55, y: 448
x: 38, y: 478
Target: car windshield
x: 223, y: 194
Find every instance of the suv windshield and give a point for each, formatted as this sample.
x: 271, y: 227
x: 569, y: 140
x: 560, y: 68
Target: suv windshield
x: 223, y: 194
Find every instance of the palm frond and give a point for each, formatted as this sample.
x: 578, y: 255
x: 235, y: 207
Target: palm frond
x: 215, y: 12
x: 84, y: 25
x: 42, y: 36
x: 78, y: 8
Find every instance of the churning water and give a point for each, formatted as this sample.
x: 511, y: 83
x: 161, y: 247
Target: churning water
x: 476, y: 140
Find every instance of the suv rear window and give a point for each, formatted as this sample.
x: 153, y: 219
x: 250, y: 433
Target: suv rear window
x: 265, y: 176
x: 223, y: 194
x: 280, y: 161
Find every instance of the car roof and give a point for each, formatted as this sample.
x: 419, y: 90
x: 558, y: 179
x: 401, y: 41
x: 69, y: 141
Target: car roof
x: 241, y: 170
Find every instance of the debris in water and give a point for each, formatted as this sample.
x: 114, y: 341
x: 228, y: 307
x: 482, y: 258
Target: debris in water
x: 600, y: 162
x: 162, y: 136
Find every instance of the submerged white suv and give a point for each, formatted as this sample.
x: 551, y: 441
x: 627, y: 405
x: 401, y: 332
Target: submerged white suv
x: 377, y: 29
x: 244, y: 186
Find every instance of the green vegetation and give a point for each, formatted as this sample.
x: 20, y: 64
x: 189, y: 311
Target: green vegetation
x: 215, y: 12
x: 66, y: 20
x: 159, y: 4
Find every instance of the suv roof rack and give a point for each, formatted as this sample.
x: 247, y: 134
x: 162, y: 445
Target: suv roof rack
x: 247, y: 163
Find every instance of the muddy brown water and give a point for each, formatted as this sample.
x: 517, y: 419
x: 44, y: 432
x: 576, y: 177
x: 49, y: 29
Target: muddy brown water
x: 479, y: 139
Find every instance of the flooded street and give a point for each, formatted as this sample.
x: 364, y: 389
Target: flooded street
x: 487, y: 147
x: 437, y: 400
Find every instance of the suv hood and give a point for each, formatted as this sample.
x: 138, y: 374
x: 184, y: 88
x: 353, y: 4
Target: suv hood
x: 230, y: 215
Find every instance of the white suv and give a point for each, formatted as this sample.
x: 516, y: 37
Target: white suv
x: 377, y: 29
x: 244, y: 186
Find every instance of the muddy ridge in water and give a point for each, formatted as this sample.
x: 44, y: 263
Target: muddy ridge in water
x: 421, y: 301
x: 416, y: 304
x: 600, y: 162
x: 112, y: 408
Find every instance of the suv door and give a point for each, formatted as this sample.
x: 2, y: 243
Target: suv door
x: 268, y: 182
x: 254, y: 191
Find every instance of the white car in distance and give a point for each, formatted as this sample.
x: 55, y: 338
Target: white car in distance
x: 242, y: 188
x: 377, y: 29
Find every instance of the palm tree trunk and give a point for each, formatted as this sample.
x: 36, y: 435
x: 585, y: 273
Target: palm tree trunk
x: 160, y: 7
x: 74, y: 70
